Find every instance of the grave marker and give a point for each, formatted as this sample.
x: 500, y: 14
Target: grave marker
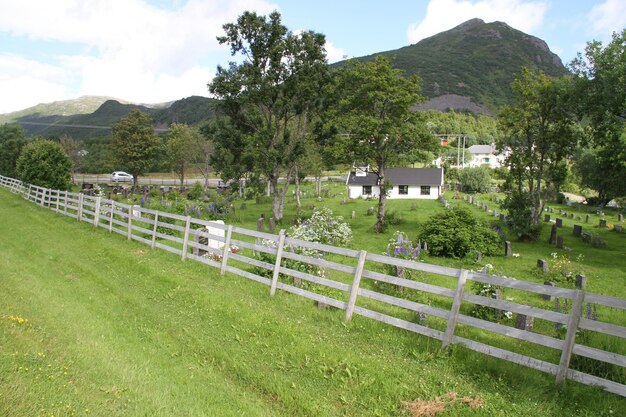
x: 553, y: 232
x: 559, y: 222
x: 578, y: 230
x: 543, y: 264
x: 508, y: 251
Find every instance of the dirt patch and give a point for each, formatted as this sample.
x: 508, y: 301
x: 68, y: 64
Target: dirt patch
x: 430, y: 408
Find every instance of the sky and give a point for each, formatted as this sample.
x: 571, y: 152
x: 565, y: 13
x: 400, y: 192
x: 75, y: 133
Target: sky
x: 154, y: 51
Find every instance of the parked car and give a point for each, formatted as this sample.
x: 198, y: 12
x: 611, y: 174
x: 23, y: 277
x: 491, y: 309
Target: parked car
x: 121, y: 176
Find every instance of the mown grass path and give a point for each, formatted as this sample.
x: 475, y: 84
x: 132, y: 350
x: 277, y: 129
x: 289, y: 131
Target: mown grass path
x: 92, y: 324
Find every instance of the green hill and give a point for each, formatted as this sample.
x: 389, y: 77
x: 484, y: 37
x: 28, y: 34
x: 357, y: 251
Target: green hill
x: 471, y: 66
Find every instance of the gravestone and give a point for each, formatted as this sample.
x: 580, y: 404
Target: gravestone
x: 581, y: 281
x: 136, y: 211
x: 524, y: 322
x: 243, y: 206
x: 546, y: 218
x: 548, y: 296
x: 618, y: 228
x: 578, y: 230
x: 479, y: 256
x: 216, y: 232
x: 559, y: 242
x: 553, y: 232
x: 571, y: 215
x: 561, y: 212
x: 259, y: 224
x: 559, y: 222
x: 486, y: 207
x: 508, y: 250
x: 587, y: 218
x: 370, y: 211
x: 272, y: 224
x: 597, y: 242
x: 470, y: 199
x: 413, y: 206
x: 620, y: 217
x: 586, y: 237
x: 602, y: 223
x: 543, y: 264
x: 353, y: 214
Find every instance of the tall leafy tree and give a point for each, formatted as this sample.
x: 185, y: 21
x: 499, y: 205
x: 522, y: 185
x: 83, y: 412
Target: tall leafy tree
x: 12, y: 140
x: 374, y: 112
x: 600, y: 78
x: 183, y: 148
x: 44, y: 163
x: 538, y: 132
x: 266, y: 101
x: 134, y: 143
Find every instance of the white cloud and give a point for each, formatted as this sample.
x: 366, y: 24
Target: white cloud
x: 25, y: 83
x: 607, y: 18
x: 333, y: 53
x: 128, y: 48
x: 442, y: 15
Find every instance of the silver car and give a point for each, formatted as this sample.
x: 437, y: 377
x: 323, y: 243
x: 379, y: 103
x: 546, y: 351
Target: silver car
x: 121, y: 176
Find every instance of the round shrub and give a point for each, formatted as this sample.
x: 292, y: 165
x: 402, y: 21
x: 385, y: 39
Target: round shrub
x: 44, y: 163
x: 456, y: 233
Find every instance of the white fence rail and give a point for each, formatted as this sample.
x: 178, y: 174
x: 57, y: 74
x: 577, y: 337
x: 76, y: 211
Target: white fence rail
x: 209, y: 242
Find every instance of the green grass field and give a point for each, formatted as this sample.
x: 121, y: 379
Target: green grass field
x: 92, y: 324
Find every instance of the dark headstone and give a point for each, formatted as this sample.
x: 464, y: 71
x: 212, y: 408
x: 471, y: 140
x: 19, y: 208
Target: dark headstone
x: 559, y: 242
x: 618, y: 228
x: 586, y: 237
x: 553, y: 232
x: 581, y: 281
x: 508, y: 250
x: 587, y: 218
x: 524, y: 322
x: 543, y: 264
x: 602, y: 223
x: 546, y: 218
x: 547, y: 296
x: 259, y: 224
x: 559, y: 222
x: 571, y: 215
x: 620, y: 217
x: 578, y: 230
x: 597, y: 242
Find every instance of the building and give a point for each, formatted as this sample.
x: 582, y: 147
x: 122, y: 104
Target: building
x: 485, y: 155
x: 408, y: 183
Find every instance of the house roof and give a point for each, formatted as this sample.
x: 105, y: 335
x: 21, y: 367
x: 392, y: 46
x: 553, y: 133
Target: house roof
x: 401, y: 176
x: 481, y: 149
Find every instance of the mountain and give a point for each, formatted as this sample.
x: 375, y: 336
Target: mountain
x: 471, y: 66
x: 97, y: 123
x: 81, y: 105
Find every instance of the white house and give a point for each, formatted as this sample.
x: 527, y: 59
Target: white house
x: 422, y: 183
x: 485, y: 155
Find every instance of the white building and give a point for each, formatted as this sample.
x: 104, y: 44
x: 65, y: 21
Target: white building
x: 485, y: 155
x: 409, y: 183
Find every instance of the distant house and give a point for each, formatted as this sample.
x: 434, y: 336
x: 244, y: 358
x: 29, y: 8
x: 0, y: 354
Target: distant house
x: 485, y: 155
x: 424, y: 183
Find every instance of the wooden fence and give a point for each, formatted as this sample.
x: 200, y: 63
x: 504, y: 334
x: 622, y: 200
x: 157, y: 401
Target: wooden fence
x: 270, y: 258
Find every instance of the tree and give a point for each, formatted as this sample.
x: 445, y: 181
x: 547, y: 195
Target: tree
x: 266, y: 101
x: 134, y: 143
x: 183, y: 147
x: 44, y: 163
x: 374, y: 112
x: 539, y: 132
x: 599, y: 78
x: 12, y: 141
x: 475, y: 180
x: 72, y: 149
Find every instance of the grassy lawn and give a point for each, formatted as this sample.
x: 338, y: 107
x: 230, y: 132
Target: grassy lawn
x: 92, y: 324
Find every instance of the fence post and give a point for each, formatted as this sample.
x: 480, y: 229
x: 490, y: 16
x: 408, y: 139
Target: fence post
x: 43, y: 197
x: 570, y: 338
x: 96, y: 215
x: 186, y: 238
x: 65, y: 201
x: 111, y: 218
x: 58, y: 199
x: 130, y: 222
x: 279, y: 256
x: 356, y: 282
x: 226, y: 252
x: 154, y: 229
x: 80, y: 206
x: 454, y: 311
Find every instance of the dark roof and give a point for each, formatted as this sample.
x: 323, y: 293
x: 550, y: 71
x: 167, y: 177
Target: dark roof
x: 401, y: 176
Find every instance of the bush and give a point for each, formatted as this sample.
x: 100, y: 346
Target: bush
x: 519, y: 204
x: 456, y: 233
x: 44, y: 163
x: 475, y: 180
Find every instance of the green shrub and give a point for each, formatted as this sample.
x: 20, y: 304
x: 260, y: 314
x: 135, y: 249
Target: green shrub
x: 44, y: 163
x: 456, y: 233
x: 475, y: 180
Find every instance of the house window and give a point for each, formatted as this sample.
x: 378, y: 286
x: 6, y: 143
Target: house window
x: 403, y: 189
x: 367, y: 190
x: 425, y: 190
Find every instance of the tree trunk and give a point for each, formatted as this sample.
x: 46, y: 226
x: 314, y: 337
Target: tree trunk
x: 379, y: 227
x: 297, y: 178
